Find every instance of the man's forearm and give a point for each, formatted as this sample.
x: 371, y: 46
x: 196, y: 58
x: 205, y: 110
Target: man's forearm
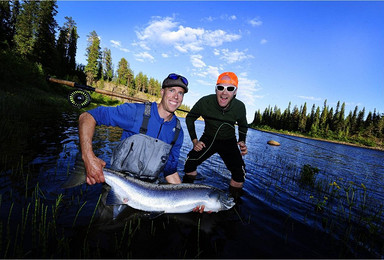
x: 87, y: 126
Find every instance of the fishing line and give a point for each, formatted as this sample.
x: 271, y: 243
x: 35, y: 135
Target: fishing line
x: 276, y: 134
x: 363, y: 164
x: 292, y: 139
x: 214, y: 137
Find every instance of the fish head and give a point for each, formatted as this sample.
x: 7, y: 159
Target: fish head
x: 219, y: 201
x: 226, y: 202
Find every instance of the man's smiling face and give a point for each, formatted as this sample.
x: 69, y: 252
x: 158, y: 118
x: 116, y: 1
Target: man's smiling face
x: 224, y: 97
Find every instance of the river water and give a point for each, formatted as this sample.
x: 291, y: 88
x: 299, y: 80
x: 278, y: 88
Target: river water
x: 337, y: 214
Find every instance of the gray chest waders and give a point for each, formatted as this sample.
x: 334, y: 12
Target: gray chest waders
x: 140, y: 155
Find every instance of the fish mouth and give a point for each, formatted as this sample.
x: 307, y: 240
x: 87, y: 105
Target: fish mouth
x: 228, y: 202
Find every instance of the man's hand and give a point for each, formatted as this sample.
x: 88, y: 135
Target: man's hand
x: 94, y: 167
x: 243, y: 148
x: 198, y: 145
x: 200, y: 209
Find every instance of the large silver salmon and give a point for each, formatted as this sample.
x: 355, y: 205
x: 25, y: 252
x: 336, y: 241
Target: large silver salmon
x: 167, y: 198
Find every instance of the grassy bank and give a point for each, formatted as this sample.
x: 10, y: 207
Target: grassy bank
x: 25, y: 100
x: 369, y: 143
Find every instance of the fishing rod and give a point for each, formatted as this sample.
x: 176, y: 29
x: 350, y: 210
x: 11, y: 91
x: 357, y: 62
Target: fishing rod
x: 80, y: 98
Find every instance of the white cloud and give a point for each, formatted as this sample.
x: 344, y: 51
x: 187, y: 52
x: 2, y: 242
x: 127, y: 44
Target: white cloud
x: 232, y: 56
x: 255, y: 22
x: 208, y: 19
x: 247, y: 90
x: 184, y: 39
x: 117, y: 45
x: 228, y: 17
x: 310, y: 98
x: 144, y: 56
x: 209, y: 72
x: 213, y: 72
x: 164, y: 55
x: 197, y: 61
x: 263, y: 41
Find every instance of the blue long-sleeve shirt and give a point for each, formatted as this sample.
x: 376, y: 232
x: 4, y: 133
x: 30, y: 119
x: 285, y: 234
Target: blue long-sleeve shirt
x: 129, y: 117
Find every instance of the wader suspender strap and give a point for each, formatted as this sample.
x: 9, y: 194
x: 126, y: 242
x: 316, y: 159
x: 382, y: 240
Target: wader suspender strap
x: 147, y: 115
x: 177, y: 131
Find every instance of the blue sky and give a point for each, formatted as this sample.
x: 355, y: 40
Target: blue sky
x: 281, y: 51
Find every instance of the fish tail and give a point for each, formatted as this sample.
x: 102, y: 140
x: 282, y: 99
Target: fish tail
x: 77, y: 177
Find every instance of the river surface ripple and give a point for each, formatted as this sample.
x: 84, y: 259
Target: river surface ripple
x: 340, y: 215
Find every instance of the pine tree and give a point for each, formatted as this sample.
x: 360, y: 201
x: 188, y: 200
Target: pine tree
x: 122, y: 72
x: 5, y: 24
x: 353, y: 121
x: 107, y: 65
x: 16, y: 8
x: 66, y: 47
x: 286, y: 117
x: 295, y: 119
x: 72, y: 48
x: 303, y: 118
x: 93, y: 57
x: 276, y: 118
x: 9, y: 10
x: 335, y: 119
x: 61, y: 48
x: 44, y: 48
x: 26, y: 27
x: 257, y: 118
x: 310, y: 119
x: 140, y: 82
x: 324, y: 116
x: 152, y: 86
x: 316, y: 122
x: 380, y: 127
x: 340, y: 127
x: 329, y: 122
x: 360, y: 121
x: 368, y: 124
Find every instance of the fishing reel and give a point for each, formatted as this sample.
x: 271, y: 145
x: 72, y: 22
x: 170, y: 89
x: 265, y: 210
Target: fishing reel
x: 79, y: 98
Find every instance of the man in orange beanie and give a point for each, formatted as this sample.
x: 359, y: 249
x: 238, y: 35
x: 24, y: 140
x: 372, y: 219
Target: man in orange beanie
x: 220, y: 112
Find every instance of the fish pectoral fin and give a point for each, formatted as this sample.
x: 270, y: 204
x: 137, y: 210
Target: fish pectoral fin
x: 113, y: 199
x: 156, y: 214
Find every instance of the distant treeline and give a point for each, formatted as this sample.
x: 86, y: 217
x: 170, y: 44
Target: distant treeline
x: 28, y: 32
x: 324, y: 123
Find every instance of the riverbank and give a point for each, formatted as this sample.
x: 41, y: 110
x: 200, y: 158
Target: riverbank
x: 379, y: 147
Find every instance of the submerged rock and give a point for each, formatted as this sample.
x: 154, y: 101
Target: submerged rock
x: 272, y: 142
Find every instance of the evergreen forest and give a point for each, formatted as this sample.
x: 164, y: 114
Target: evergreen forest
x: 325, y: 123
x: 29, y: 34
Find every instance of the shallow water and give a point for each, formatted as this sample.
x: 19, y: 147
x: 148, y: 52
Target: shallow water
x: 341, y: 216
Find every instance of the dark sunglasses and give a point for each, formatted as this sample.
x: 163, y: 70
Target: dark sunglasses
x: 176, y: 76
x: 228, y: 88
